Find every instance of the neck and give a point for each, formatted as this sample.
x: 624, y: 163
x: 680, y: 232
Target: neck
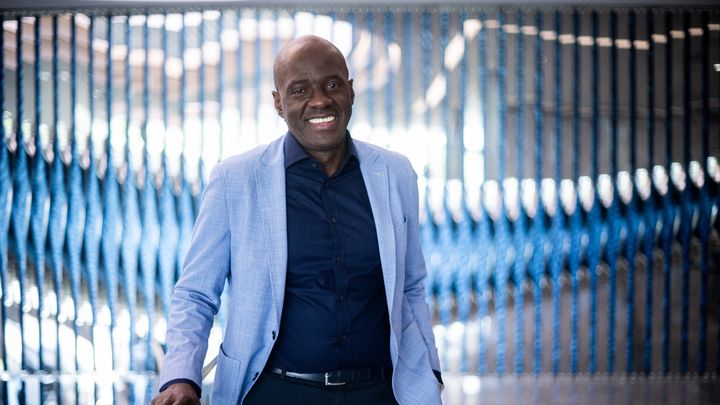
x: 330, y: 160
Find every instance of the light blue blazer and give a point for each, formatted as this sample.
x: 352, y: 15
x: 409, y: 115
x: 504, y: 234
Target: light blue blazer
x: 240, y: 236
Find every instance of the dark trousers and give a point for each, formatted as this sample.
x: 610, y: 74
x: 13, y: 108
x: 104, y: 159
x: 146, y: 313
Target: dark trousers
x: 276, y: 389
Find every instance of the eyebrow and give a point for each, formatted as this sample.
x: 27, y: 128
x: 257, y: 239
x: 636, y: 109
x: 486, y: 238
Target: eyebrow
x: 304, y: 81
x: 295, y: 83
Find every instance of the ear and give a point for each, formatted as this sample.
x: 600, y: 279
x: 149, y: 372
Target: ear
x: 278, y: 105
x: 352, y: 92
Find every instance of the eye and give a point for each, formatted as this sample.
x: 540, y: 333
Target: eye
x: 333, y: 85
x: 297, y: 90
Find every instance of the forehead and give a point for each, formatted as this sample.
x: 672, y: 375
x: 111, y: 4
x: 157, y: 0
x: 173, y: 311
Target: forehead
x: 309, y: 61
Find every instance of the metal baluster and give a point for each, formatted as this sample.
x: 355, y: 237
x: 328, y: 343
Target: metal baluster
x: 519, y: 271
x: 5, y: 198
x: 76, y: 207
x: 21, y: 200
x: 39, y: 212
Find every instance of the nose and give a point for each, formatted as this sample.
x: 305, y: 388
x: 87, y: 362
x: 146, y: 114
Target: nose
x: 319, y: 99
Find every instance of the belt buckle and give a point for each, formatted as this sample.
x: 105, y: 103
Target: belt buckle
x: 327, y: 380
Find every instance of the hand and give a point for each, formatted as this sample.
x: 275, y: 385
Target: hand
x: 177, y: 394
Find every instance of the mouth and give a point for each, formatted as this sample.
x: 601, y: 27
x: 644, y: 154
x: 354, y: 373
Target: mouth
x: 322, y: 120
x: 323, y: 123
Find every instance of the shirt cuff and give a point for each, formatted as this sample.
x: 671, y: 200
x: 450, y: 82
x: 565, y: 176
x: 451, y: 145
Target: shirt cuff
x: 197, y: 389
x: 438, y: 376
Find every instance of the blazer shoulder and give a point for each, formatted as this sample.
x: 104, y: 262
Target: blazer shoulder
x: 394, y: 160
x: 241, y: 163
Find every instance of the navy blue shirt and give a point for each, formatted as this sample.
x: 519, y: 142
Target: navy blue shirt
x: 335, y: 313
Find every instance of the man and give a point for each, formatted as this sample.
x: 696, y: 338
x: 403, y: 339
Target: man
x: 317, y: 237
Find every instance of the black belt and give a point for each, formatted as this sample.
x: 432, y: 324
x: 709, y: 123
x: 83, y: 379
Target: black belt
x: 338, y: 377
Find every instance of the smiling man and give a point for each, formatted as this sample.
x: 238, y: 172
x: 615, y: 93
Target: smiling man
x: 316, y: 235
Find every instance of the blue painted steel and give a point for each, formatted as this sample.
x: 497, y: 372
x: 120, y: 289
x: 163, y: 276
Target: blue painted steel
x: 575, y: 218
x: 482, y: 283
x: 615, y: 224
x: 557, y: 233
x: 168, y: 217
x: 502, y: 233
x: 538, y: 231
x: 131, y: 226
x: 650, y: 217
x: 39, y: 208
x: 185, y: 201
x: 258, y: 79
x: 463, y: 94
x: 111, y: 233
x: 519, y: 271
x: 426, y: 43
x: 668, y: 207
x: 150, y: 234
x: 220, y: 86
x: 502, y: 100
x: 633, y: 217
x: 93, y: 211
x: 595, y: 231
x: 58, y: 209
x: 5, y: 200
x: 389, y: 102
x: 203, y: 109
x: 370, y: 69
x: 465, y: 243
x: 238, y: 69
x: 20, y: 199
x: 76, y: 207
x: 466, y: 236
x: 687, y: 206
x: 408, y: 65
x: 705, y: 206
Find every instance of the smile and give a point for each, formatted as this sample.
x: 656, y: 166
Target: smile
x: 321, y: 120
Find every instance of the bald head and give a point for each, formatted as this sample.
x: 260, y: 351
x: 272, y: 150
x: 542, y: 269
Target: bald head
x: 314, y: 96
x: 303, y: 48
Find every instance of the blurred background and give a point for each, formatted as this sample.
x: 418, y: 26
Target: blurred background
x: 567, y: 155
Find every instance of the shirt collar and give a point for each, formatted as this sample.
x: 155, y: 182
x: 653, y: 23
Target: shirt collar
x: 294, y: 152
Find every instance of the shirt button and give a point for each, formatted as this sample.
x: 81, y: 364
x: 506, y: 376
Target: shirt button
x: 341, y: 297
x: 337, y: 259
x: 273, y: 335
x: 344, y: 337
x: 333, y: 220
x: 256, y: 376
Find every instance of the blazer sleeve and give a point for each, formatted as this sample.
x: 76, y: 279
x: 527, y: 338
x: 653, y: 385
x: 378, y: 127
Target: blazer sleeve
x: 415, y: 273
x: 196, y: 297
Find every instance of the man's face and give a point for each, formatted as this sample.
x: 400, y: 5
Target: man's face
x: 314, y: 96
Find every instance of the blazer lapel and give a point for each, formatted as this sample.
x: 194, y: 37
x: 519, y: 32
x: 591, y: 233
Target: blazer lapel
x: 270, y: 188
x: 375, y: 175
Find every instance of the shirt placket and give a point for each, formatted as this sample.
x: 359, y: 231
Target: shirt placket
x: 329, y: 193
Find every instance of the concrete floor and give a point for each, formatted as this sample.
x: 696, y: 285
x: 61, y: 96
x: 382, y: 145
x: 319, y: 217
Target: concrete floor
x: 582, y: 389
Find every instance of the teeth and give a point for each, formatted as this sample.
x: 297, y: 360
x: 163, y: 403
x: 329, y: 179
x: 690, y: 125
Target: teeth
x: 321, y: 120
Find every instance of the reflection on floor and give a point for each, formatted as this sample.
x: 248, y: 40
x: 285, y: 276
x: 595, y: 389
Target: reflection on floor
x: 582, y: 389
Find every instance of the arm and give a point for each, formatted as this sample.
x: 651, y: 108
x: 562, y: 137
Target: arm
x: 415, y: 273
x: 196, y: 297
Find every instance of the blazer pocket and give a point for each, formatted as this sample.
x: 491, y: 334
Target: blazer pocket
x: 401, y: 224
x: 226, y: 386
x: 400, y: 229
x: 400, y: 232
